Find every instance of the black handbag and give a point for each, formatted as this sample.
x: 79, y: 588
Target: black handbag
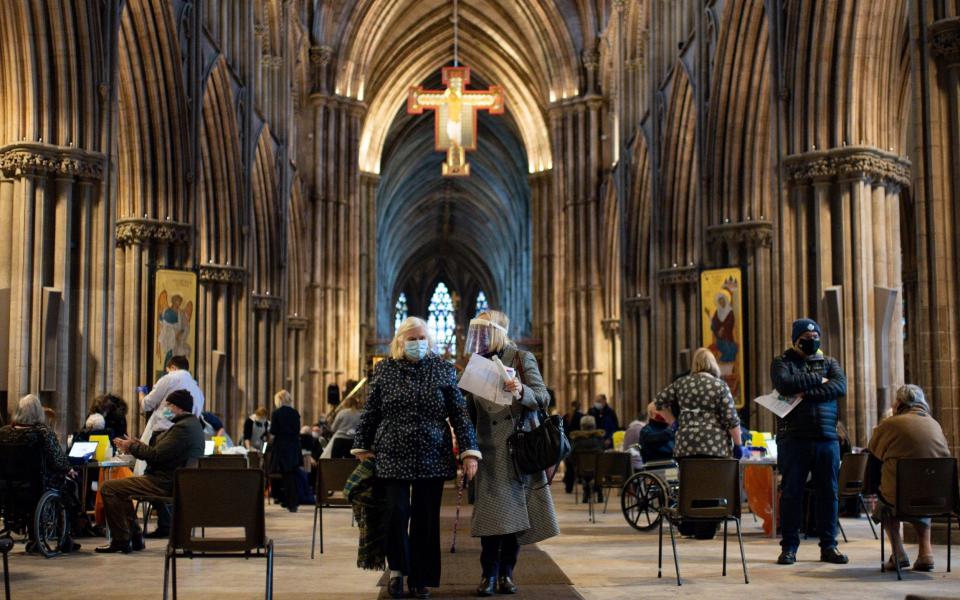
x: 540, y: 449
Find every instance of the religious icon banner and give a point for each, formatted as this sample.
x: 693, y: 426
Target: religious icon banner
x: 175, y: 306
x: 721, y: 292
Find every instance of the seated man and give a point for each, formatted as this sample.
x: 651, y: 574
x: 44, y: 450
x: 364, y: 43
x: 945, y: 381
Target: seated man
x: 910, y: 433
x: 657, y: 438
x: 174, y: 449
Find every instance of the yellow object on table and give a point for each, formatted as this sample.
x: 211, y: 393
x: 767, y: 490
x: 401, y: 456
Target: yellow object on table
x: 219, y: 442
x: 757, y: 439
x: 618, y: 438
x: 103, y: 446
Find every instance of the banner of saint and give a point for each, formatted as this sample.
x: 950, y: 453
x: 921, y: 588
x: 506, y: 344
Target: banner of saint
x: 175, y: 334
x: 720, y: 292
x: 455, y: 126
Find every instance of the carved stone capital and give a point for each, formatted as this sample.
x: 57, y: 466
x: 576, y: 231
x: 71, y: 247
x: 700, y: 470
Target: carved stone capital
x: 269, y: 61
x: 298, y: 323
x: 611, y: 327
x: 944, y: 39
x: 679, y: 275
x: 139, y: 232
x: 37, y: 158
x: 216, y: 273
x: 847, y: 163
x: 265, y: 302
x: 321, y: 55
x: 755, y: 234
x: 590, y: 59
x: 639, y: 303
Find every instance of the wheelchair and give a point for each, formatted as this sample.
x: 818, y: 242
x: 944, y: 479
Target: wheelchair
x: 648, y: 492
x: 28, y: 506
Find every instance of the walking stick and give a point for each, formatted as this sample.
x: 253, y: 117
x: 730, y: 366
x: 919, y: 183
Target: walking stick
x: 461, y: 485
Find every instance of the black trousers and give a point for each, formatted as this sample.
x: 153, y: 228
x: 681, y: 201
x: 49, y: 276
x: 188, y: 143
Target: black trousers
x: 499, y: 554
x: 413, y: 529
x: 290, y: 494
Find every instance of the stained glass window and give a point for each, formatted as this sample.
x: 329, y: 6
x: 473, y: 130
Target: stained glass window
x: 482, y: 303
x: 440, y: 320
x: 400, y: 311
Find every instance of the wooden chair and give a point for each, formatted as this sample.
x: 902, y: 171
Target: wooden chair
x: 332, y: 475
x: 613, y: 471
x: 217, y: 498
x: 926, y: 488
x: 709, y: 491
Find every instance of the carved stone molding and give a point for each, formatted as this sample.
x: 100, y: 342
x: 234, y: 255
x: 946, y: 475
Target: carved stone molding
x: 131, y: 232
x: 298, y: 323
x: 679, y: 275
x: 611, y: 327
x: 321, y: 55
x: 354, y: 107
x: 37, y: 158
x: 639, y: 303
x: 266, y: 302
x: 590, y: 59
x: 847, y: 163
x: 755, y: 234
x: 229, y: 274
x: 945, y: 41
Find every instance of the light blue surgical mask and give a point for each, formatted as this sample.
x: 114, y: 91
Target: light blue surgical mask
x: 168, y: 414
x: 416, y: 349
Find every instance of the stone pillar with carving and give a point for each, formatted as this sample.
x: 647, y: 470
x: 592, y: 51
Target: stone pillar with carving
x: 337, y: 311
x: 841, y: 229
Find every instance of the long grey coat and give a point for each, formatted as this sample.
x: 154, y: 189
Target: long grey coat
x: 503, y: 504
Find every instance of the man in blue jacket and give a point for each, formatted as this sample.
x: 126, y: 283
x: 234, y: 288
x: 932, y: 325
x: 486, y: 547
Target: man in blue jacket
x: 807, y: 439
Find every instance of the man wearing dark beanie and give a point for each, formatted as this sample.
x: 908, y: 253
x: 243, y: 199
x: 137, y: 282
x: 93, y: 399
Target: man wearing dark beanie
x: 175, y: 448
x: 807, y: 439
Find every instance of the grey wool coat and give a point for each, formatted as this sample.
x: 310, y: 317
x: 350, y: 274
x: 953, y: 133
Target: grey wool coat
x: 504, y: 505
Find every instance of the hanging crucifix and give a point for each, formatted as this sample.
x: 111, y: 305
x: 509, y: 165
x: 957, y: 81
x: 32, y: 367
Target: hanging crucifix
x: 455, y: 129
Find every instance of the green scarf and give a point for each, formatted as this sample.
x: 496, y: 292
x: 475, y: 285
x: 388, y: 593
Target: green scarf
x: 369, y: 511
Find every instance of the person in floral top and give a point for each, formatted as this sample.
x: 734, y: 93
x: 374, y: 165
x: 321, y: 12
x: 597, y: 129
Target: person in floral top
x: 708, y: 418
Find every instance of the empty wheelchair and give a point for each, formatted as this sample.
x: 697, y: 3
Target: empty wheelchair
x: 30, y: 507
x: 649, y: 491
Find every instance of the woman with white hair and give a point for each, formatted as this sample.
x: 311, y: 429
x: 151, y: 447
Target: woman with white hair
x: 286, y: 457
x: 910, y: 433
x: 510, y: 510
x: 29, y: 428
x: 404, y: 428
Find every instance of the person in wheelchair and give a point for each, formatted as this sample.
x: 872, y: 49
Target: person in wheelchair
x: 29, y: 430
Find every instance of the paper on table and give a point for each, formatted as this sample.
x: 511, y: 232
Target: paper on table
x: 777, y: 404
x: 482, y: 378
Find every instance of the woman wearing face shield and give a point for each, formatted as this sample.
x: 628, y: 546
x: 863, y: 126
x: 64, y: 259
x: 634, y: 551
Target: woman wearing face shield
x: 404, y: 428
x: 510, y: 510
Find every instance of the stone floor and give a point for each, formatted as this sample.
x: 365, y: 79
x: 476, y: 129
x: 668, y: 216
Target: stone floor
x: 606, y: 561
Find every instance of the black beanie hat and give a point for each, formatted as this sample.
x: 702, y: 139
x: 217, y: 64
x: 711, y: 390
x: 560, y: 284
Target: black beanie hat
x: 181, y: 399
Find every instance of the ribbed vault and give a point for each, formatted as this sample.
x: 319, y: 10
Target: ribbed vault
x: 471, y: 232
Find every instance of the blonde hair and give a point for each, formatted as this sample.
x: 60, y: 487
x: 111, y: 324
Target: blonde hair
x: 705, y: 362
x: 498, y: 337
x: 29, y: 411
x: 396, y: 346
x: 282, y: 398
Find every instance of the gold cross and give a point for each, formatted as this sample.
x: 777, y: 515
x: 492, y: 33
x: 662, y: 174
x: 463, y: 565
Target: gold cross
x: 455, y: 128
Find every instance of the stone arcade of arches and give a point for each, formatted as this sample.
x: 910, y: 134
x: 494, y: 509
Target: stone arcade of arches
x: 263, y: 145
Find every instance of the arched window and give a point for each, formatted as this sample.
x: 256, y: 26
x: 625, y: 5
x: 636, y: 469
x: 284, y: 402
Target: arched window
x: 440, y: 320
x: 482, y: 303
x: 400, y: 311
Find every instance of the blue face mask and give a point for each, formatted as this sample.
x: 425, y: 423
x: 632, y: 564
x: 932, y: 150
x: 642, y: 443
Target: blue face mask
x: 168, y: 414
x: 416, y: 349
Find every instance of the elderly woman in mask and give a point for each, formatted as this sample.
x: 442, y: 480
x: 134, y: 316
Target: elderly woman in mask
x: 404, y: 428
x: 510, y: 510
x: 910, y: 433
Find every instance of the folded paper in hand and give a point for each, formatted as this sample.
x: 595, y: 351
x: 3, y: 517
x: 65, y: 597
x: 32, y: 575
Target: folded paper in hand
x: 483, y: 378
x: 777, y: 404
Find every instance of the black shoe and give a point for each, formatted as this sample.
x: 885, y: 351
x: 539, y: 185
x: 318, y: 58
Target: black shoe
x: 157, y: 534
x: 487, y: 587
x: 420, y: 592
x: 395, y: 587
x: 832, y: 555
x: 114, y: 547
x: 505, y: 585
x: 69, y: 546
x: 136, y: 542
x: 293, y: 510
x: 787, y: 557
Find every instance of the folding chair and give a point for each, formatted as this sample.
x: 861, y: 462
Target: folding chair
x: 585, y: 465
x: 613, y: 471
x: 223, y: 461
x: 853, y: 468
x: 709, y: 491
x: 926, y: 488
x: 6, y: 544
x: 217, y: 498
x: 332, y: 475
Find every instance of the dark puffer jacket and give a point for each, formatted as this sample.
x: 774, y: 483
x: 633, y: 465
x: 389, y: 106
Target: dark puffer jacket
x: 816, y: 416
x: 404, y: 422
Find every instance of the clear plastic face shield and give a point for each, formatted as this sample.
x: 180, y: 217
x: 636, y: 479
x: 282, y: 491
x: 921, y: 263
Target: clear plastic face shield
x: 479, y: 334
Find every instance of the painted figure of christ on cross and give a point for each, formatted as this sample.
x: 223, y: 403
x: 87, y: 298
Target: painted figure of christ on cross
x: 455, y: 129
